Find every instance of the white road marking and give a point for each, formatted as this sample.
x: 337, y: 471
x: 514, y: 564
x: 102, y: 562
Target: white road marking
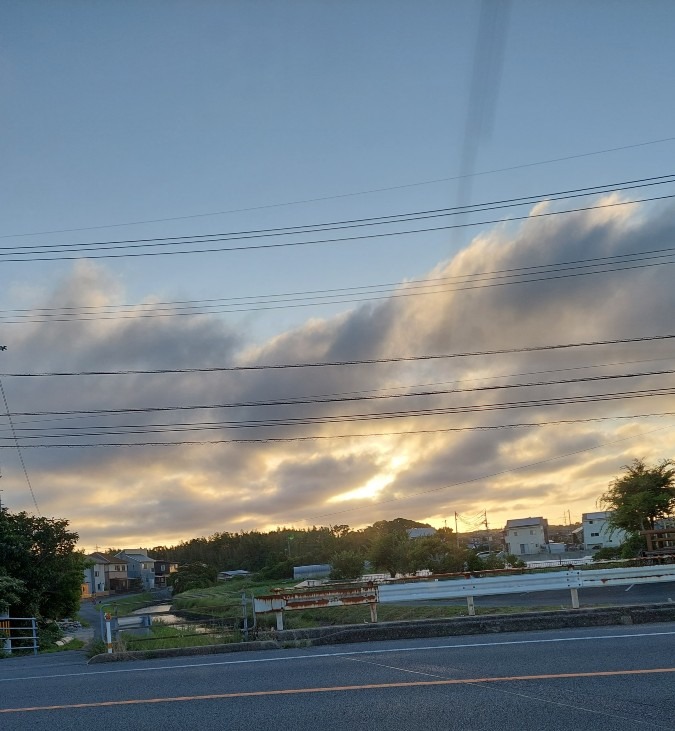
x: 350, y: 653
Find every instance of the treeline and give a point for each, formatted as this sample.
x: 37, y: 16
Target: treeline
x: 385, y: 545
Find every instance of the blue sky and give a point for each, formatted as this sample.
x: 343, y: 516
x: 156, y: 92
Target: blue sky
x: 125, y: 112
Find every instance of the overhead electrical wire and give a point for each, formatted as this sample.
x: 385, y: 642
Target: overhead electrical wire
x: 385, y: 392
x: 343, y: 195
x: 352, y: 435
x: 32, y: 257
x: 95, y: 431
x: 341, y: 399
x: 360, y: 222
x: 625, y: 262
x: 340, y: 363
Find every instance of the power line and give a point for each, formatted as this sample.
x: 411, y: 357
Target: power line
x: 331, y: 364
x: 354, y: 435
x: 387, y: 392
x: 360, y: 222
x: 352, y: 418
x: 344, y: 195
x: 631, y: 261
x: 287, y: 244
x: 339, y: 398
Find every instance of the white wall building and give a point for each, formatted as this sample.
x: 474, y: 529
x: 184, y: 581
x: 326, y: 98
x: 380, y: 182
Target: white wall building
x: 597, y: 532
x: 526, y: 536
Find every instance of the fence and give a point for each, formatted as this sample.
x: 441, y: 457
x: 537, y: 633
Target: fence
x: 573, y: 580
x: 463, y: 586
x: 18, y: 634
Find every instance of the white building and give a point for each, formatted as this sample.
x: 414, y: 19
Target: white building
x: 598, y: 533
x: 524, y: 536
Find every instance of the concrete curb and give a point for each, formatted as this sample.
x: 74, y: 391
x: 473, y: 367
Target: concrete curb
x: 492, y: 624
x: 455, y: 626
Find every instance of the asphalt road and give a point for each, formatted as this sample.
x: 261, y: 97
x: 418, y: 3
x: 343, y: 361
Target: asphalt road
x: 604, y: 679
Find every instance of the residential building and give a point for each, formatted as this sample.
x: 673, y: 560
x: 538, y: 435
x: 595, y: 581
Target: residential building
x: 140, y: 568
x: 598, y: 533
x: 94, y: 583
x: 115, y: 571
x: 526, y: 536
x: 163, y: 569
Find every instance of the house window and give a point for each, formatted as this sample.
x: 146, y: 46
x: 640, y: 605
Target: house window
x: 515, y: 532
x: 95, y: 573
x: 595, y: 534
x: 531, y: 532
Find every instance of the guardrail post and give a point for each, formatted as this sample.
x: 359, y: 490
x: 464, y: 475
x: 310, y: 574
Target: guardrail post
x: 280, y: 620
x: 33, y: 624
x: 5, y: 626
x: 575, y: 598
x: 108, y: 634
x: 373, y: 612
x: 470, y: 604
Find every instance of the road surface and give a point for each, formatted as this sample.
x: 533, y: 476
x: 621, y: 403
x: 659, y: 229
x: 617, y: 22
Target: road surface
x: 604, y: 679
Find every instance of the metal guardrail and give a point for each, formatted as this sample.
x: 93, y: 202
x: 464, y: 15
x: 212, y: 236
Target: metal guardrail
x: 18, y: 634
x: 523, y: 583
x: 319, y: 598
x: 465, y: 586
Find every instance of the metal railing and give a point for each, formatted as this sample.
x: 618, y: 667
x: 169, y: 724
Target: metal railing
x: 460, y: 586
x: 18, y: 634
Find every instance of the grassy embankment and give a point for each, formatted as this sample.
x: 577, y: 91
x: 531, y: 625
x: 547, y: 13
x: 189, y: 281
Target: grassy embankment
x: 224, y: 601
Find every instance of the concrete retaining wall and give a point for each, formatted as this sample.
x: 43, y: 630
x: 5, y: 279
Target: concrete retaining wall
x: 482, y: 625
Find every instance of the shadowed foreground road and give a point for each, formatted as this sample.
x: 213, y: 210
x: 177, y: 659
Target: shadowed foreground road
x: 611, y: 679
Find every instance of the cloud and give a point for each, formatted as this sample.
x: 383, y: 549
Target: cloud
x: 149, y: 494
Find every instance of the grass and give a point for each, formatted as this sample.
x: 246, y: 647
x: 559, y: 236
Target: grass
x: 386, y: 613
x: 163, y: 637
x: 74, y: 644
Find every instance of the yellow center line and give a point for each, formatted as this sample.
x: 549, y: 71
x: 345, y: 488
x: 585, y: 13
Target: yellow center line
x: 338, y: 688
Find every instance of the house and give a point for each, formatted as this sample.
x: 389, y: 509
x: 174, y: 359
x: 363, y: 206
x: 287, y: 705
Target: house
x: 598, y: 533
x: 115, y: 572
x: 163, y: 569
x: 524, y: 536
x: 140, y: 568
x: 94, y: 582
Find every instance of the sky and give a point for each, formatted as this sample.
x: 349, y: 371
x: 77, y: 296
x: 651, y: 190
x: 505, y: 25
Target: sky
x: 243, y: 286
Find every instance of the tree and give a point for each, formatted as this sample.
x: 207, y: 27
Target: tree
x: 39, y: 553
x: 346, y: 565
x: 193, y: 576
x: 389, y: 550
x: 10, y: 591
x: 641, y: 496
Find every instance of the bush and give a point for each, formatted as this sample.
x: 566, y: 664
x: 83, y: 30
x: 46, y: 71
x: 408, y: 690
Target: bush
x: 608, y: 553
